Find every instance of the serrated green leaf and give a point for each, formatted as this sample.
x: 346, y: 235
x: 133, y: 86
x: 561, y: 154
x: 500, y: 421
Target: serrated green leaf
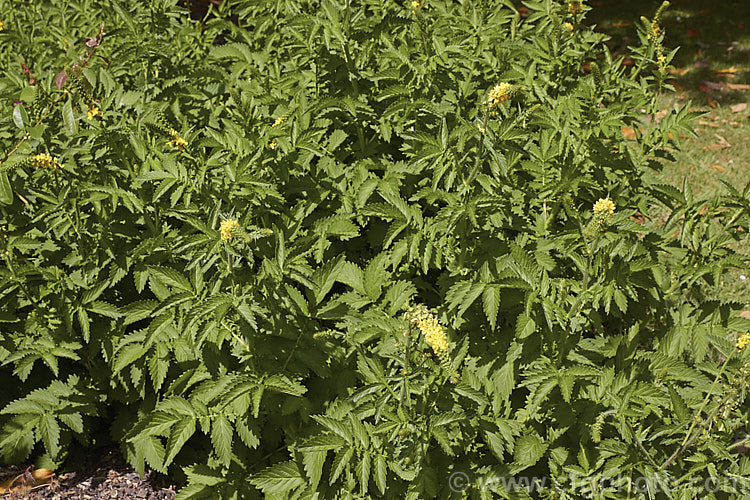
x: 278, y: 479
x: 221, y: 438
x: 529, y: 450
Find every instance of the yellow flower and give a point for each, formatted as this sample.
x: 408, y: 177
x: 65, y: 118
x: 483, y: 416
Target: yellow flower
x: 93, y: 112
x: 569, y: 27
x: 656, y: 28
x: 178, y: 142
x: 281, y: 119
x: 226, y: 227
x: 2, y: 25
x: 575, y: 7
x: 430, y: 328
x: 662, y: 59
x: 45, y: 160
x: 416, y: 5
x: 273, y: 144
x: 499, y: 94
x: 604, y: 207
x: 743, y: 341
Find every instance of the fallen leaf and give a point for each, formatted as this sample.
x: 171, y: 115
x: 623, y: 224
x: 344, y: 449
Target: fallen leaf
x: 677, y: 71
x: 629, y: 133
x: 677, y: 86
x: 31, y: 480
x: 722, y: 144
x: 628, y: 62
x: 745, y: 314
x: 692, y: 32
x: 719, y: 168
x: 712, y: 102
x: 738, y: 86
x: 621, y: 24
x: 739, y: 107
x: 707, y: 124
x: 661, y: 114
x: 729, y: 71
x: 705, y: 86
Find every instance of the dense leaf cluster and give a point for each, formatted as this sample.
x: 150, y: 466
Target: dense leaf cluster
x: 218, y: 263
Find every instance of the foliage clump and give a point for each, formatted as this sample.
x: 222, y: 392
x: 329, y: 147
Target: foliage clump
x: 231, y: 305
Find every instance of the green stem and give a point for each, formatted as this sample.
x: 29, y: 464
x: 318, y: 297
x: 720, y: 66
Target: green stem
x: 686, y: 442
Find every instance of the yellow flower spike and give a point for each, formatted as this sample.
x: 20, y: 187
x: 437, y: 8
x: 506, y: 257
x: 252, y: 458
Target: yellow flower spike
x: 743, y: 341
x: 281, y: 119
x: 273, y: 144
x: 178, y: 142
x: 2, y: 25
x: 416, y: 5
x: 575, y: 7
x: 604, y: 206
x: 45, y: 160
x: 499, y: 94
x: 226, y: 227
x: 93, y: 112
x: 428, y: 324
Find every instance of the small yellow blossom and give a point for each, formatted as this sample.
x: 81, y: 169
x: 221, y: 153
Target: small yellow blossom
x: 604, y: 206
x: 45, y: 160
x: 226, y: 227
x: 273, y: 144
x: 178, y: 142
x: 93, y: 112
x: 575, y: 7
x: 281, y: 119
x: 569, y: 27
x: 499, y: 94
x: 743, y: 341
x: 416, y: 5
x: 661, y: 59
x: 655, y: 28
x: 2, y: 25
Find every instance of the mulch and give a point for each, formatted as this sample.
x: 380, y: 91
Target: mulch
x: 105, y: 475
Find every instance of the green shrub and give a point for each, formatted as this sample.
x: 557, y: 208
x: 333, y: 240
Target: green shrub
x: 354, y: 249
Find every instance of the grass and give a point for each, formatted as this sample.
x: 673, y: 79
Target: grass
x: 712, y: 72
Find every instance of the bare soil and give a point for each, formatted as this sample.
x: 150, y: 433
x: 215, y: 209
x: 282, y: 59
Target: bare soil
x: 105, y: 475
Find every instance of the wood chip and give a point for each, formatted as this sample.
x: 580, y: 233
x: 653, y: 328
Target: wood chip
x: 719, y: 168
x: 739, y: 107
